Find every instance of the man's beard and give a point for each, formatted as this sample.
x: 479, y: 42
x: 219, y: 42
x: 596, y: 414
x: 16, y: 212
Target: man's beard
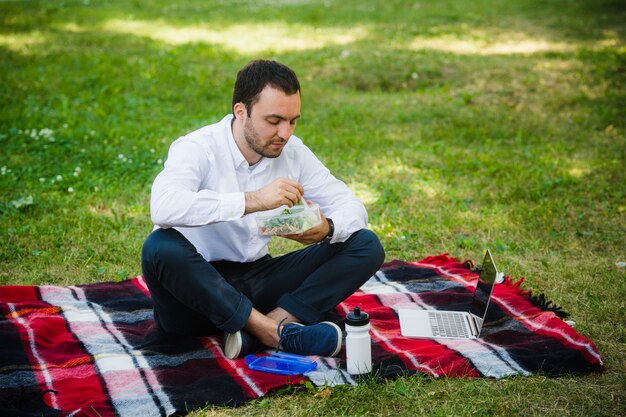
x: 252, y: 139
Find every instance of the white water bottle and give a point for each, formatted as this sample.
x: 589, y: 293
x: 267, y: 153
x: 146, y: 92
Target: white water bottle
x: 358, y: 343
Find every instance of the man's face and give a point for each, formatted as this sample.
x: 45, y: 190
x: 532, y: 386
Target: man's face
x: 272, y: 122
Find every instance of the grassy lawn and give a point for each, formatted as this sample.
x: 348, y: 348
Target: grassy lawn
x: 460, y: 124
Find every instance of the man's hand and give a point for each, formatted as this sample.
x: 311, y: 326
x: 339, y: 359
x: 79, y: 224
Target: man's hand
x: 313, y: 235
x: 277, y: 193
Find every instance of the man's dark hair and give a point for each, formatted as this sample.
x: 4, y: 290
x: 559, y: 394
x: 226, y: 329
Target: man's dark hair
x: 258, y: 74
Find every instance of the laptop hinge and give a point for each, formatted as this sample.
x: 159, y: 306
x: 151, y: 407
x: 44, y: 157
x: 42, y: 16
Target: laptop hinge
x: 472, y: 324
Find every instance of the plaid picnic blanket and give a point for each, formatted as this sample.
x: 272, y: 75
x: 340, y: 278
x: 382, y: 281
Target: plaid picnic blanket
x: 93, y: 350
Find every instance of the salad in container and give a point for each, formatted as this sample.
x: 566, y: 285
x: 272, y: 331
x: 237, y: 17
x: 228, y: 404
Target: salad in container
x: 286, y: 220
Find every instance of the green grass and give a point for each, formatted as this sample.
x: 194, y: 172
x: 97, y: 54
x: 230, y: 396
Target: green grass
x: 460, y: 124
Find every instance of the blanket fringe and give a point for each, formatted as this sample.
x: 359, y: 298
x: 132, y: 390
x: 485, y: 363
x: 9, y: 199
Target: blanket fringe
x: 469, y: 264
x: 516, y: 285
x: 540, y: 302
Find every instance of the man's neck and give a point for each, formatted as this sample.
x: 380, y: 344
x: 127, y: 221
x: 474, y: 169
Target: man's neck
x: 250, y: 156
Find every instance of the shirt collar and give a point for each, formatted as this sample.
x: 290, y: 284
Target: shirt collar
x: 238, y: 157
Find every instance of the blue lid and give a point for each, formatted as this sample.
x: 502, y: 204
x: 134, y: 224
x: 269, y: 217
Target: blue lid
x: 281, y: 363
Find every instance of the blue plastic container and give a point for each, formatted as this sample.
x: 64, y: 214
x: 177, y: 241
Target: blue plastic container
x: 281, y: 363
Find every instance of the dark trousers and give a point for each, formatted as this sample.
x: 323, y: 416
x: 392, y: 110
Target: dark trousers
x: 194, y: 297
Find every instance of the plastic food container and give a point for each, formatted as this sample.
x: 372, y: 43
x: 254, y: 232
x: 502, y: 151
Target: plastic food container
x: 287, y: 221
x: 281, y: 363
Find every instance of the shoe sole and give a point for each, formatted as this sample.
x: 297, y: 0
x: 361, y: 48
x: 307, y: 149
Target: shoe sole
x: 339, y: 338
x: 232, y: 345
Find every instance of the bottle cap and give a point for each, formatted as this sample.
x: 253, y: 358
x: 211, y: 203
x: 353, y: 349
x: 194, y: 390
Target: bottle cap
x: 357, y: 318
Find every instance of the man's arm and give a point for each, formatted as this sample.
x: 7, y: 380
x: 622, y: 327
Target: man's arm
x: 178, y: 197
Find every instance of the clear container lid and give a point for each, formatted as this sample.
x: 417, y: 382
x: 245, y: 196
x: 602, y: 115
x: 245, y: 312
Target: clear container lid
x: 288, y: 220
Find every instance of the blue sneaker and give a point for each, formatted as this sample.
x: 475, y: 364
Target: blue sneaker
x: 239, y: 344
x: 322, y: 339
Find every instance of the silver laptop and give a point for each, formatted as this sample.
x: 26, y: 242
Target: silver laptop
x: 453, y: 324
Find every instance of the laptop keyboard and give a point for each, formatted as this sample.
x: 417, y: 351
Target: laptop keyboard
x: 448, y: 324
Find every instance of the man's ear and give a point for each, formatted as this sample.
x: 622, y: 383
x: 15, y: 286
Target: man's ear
x: 239, y: 110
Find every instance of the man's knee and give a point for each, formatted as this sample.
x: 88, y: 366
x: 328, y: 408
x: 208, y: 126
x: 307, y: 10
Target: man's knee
x: 163, y: 246
x: 369, y: 246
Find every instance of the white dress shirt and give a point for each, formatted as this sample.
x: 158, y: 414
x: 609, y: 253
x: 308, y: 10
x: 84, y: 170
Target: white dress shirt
x: 200, y: 192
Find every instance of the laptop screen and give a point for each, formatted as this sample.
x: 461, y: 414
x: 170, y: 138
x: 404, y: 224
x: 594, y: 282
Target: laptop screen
x: 484, y: 286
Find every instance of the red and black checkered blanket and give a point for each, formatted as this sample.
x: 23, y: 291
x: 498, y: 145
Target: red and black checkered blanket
x: 93, y: 350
